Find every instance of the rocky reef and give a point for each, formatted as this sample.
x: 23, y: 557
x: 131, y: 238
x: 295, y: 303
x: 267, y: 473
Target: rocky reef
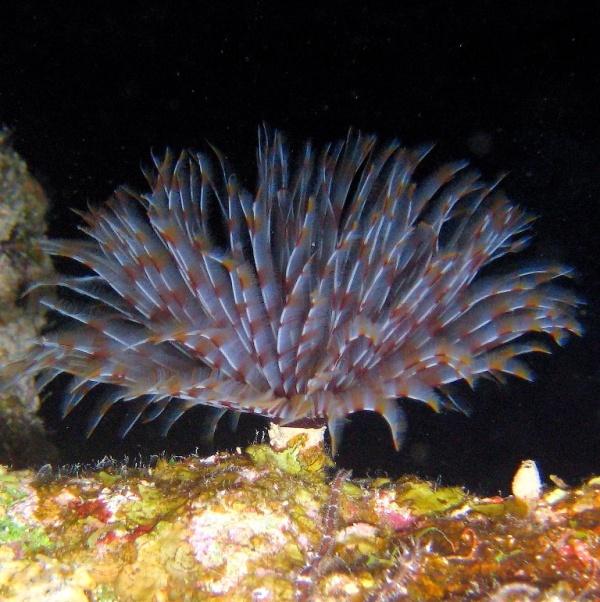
x: 23, y: 206
x: 280, y: 522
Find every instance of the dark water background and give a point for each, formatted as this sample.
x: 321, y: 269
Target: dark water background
x: 515, y: 87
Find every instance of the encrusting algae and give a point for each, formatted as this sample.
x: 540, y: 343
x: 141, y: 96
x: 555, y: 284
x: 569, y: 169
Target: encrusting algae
x: 282, y: 524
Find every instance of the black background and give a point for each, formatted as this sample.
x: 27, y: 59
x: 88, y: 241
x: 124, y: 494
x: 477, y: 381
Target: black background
x: 515, y: 87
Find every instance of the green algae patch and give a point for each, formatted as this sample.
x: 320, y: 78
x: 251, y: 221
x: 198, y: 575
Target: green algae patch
x: 263, y: 525
x: 510, y: 506
x: 107, y: 479
x: 287, y: 461
x: 293, y: 450
x: 296, y: 457
x: 425, y: 499
x: 153, y: 505
x: 491, y: 510
x: 31, y: 540
x: 10, y: 487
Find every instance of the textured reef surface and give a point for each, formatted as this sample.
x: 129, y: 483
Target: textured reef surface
x: 22, y: 223
x: 277, y: 522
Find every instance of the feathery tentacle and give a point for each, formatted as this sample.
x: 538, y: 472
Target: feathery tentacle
x: 342, y: 285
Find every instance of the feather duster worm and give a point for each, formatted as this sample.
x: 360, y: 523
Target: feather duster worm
x: 340, y: 285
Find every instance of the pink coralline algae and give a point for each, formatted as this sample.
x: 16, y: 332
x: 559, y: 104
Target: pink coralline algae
x: 344, y: 283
